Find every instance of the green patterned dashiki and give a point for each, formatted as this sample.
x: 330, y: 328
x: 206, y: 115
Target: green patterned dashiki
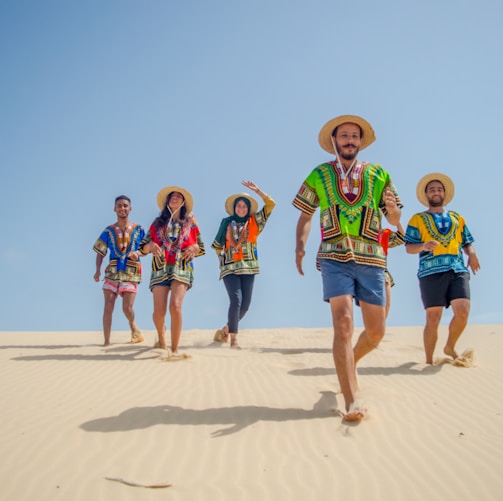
x: 350, y: 220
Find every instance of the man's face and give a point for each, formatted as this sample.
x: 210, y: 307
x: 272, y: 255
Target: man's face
x: 435, y: 193
x: 122, y: 208
x: 348, y: 141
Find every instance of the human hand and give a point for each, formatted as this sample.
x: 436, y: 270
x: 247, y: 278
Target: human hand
x: 97, y: 276
x: 134, y: 255
x: 155, y: 249
x: 473, y: 263
x: 190, y: 252
x: 251, y: 186
x: 430, y: 245
x: 389, y: 200
x: 299, y: 256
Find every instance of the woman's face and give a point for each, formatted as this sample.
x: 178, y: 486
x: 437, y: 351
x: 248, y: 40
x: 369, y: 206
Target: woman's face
x: 241, y: 209
x: 175, y: 200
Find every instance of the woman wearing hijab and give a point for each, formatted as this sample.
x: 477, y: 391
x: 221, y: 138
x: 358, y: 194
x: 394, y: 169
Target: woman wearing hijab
x: 174, y: 240
x: 236, y: 247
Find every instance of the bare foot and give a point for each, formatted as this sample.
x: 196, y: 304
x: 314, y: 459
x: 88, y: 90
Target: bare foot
x: 160, y: 345
x: 234, y: 342
x: 450, y: 352
x: 136, y: 336
x: 355, y: 413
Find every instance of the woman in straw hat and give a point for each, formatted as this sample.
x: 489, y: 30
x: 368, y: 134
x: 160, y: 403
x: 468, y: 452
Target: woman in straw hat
x: 174, y: 240
x: 236, y: 247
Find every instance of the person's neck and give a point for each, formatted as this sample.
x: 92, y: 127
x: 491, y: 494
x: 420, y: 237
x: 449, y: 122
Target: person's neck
x: 122, y: 222
x: 346, y: 164
x: 436, y: 209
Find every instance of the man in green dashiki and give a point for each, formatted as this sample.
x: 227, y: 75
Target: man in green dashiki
x: 123, y: 273
x: 351, y: 196
x: 440, y: 237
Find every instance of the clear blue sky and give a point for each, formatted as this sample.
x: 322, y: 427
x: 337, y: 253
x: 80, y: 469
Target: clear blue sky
x: 101, y: 98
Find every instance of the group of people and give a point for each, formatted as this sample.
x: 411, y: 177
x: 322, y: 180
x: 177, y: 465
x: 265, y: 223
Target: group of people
x: 174, y: 240
x: 353, y: 198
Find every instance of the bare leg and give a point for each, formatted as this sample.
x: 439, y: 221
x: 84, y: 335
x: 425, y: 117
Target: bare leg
x: 127, y: 307
x: 387, y: 288
x: 160, y: 294
x: 342, y: 350
x: 374, y: 322
x: 430, y: 334
x: 178, y: 291
x: 461, y: 310
x: 108, y: 311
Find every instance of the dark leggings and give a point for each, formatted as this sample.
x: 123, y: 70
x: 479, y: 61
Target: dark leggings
x: 239, y: 289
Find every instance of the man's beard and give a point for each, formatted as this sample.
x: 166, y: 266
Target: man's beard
x: 435, y: 203
x: 347, y: 156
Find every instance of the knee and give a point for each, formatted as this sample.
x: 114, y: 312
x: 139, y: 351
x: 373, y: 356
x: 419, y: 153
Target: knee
x: 128, y: 310
x: 462, y: 313
x: 343, y: 327
x: 374, y: 337
x: 433, y: 318
x: 175, y: 308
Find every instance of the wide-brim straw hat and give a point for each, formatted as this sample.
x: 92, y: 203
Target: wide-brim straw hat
x: 163, y: 195
x: 229, y: 203
x: 325, y: 135
x: 435, y: 176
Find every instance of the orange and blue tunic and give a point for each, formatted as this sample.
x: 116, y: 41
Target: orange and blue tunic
x: 239, y: 254
x: 120, y: 244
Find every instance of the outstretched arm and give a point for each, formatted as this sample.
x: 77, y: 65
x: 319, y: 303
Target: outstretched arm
x: 301, y: 236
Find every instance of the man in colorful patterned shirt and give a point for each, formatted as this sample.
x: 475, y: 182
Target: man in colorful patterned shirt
x: 351, y: 196
x: 123, y: 273
x: 440, y: 237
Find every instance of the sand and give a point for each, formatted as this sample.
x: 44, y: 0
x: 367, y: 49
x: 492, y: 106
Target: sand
x: 259, y: 423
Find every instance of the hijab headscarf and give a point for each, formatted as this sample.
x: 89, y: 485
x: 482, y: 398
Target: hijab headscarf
x: 222, y: 231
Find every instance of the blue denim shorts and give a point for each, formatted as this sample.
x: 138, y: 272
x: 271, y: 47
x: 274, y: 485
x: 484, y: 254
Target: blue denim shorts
x: 365, y: 283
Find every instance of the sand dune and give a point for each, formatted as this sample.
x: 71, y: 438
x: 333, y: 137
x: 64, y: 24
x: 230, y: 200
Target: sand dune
x: 256, y: 424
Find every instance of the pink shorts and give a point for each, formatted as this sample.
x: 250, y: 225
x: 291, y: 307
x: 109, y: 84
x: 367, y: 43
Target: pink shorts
x: 119, y: 287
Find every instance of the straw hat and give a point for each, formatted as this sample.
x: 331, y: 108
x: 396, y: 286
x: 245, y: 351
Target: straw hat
x: 163, y: 195
x: 435, y: 176
x: 229, y: 203
x: 325, y: 135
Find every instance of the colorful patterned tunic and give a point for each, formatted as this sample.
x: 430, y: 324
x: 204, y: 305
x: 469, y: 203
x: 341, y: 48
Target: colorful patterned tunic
x: 453, y: 236
x: 173, y: 239
x: 349, y: 221
x: 120, y: 244
x: 240, y: 255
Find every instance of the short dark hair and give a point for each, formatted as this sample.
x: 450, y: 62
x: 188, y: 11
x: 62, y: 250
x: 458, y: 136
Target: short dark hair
x: 334, y: 132
x: 122, y: 197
